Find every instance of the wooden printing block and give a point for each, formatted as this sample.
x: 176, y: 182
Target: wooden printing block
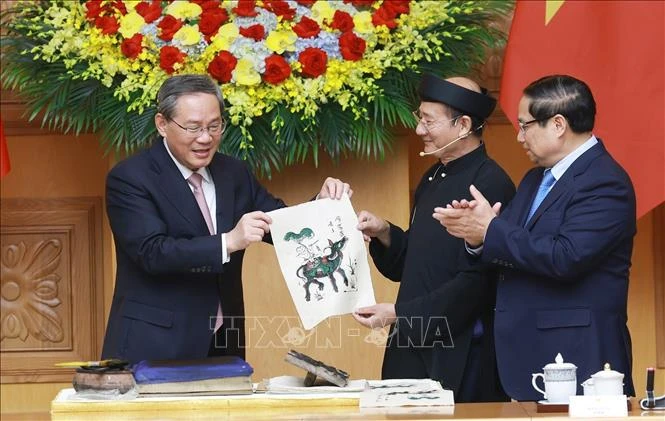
x: 316, y: 369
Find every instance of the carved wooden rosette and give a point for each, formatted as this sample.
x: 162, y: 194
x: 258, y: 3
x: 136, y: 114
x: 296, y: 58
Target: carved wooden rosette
x: 51, y: 286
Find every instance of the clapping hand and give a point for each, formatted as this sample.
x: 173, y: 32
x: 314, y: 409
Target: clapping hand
x: 468, y: 219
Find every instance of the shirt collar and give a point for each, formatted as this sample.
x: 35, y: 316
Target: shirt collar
x: 186, y: 172
x: 465, y: 161
x: 560, y: 167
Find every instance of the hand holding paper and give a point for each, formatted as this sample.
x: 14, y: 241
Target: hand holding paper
x: 323, y: 258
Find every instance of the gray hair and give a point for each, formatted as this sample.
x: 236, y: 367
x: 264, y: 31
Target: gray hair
x: 177, y: 86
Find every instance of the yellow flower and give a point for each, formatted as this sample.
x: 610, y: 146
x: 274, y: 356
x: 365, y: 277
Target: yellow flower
x: 321, y: 10
x: 280, y: 41
x: 131, y: 4
x: 87, y: 53
x: 363, y: 22
x: 225, y: 37
x: 110, y: 64
x: 188, y: 35
x: 183, y: 10
x: 130, y: 24
x: 245, y: 74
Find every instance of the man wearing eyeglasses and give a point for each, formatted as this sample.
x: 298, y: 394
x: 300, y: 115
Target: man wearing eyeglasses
x: 563, y: 246
x: 182, y: 215
x: 441, y: 325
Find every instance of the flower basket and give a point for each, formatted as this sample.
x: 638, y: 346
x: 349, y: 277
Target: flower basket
x: 299, y: 77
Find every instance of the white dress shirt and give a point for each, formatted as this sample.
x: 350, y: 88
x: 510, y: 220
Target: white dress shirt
x: 209, y: 192
x: 557, y: 171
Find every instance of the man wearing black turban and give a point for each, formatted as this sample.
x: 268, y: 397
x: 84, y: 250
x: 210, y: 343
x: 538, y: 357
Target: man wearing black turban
x: 441, y: 323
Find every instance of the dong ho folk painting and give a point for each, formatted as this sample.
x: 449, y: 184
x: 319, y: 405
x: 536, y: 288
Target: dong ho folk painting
x: 323, y: 258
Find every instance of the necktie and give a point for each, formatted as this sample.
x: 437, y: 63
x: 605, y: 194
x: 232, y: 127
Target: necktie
x: 545, y: 185
x: 195, y: 180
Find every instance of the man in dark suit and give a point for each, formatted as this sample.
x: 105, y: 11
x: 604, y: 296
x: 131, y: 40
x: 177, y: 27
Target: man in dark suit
x: 441, y: 322
x: 182, y: 215
x: 563, y: 246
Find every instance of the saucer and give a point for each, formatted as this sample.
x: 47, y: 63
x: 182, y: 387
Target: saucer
x: 546, y: 402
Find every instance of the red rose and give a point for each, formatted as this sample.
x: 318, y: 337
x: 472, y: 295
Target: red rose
x: 211, y: 20
x: 351, y: 46
x: 383, y: 16
x: 117, y: 5
x: 396, y: 7
x: 108, y: 24
x: 150, y: 11
x: 360, y: 3
x: 306, y: 3
x: 209, y: 4
x: 342, y: 21
x: 280, y: 8
x: 131, y: 47
x: 93, y: 9
x: 169, y: 56
x: 246, y: 8
x: 314, y: 61
x: 169, y: 26
x: 221, y: 67
x: 256, y: 32
x: 277, y: 69
x: 306, y: 28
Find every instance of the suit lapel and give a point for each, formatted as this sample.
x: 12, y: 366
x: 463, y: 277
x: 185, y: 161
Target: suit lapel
x: 556, y: 191
x: 533, y: 185
x: 563, y: 184
x: 224, y: 182
x: 175, y: 188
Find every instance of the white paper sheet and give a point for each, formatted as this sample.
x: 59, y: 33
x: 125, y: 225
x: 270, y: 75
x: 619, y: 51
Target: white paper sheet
x: 323, y: 258
x: 405, y: 392
x: 293, y: 384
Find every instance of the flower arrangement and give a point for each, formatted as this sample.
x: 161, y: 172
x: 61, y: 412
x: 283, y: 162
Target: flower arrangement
x: 297, y: 75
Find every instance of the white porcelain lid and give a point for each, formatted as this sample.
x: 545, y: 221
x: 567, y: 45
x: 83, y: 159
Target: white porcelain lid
x: 607, y: 373
x: 558, y: 364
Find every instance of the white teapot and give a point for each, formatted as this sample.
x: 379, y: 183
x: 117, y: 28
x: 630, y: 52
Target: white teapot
x: 604, y: 382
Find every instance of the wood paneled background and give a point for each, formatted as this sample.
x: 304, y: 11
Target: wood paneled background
x: 52, y: 297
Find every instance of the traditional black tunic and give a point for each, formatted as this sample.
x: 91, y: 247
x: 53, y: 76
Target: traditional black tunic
x: 442, y: 292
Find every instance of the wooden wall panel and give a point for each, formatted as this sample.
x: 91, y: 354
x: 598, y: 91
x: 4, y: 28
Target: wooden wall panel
x: 51, y: 286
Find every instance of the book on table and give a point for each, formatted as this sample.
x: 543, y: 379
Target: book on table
x: 205, y: 376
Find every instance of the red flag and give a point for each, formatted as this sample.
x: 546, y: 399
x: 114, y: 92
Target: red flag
x: 617, y: 48
x: 4, y: 154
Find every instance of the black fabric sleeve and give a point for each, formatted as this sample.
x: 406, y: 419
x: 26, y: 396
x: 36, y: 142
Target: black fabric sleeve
x: 390, y: 260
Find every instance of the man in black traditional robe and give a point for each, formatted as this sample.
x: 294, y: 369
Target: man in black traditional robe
x: 441, y: 323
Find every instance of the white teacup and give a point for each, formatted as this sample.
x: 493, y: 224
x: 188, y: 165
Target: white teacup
x: 560, y: 381
x: 556, y: 391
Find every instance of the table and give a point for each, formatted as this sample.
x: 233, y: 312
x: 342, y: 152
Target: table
x: 271, y: 408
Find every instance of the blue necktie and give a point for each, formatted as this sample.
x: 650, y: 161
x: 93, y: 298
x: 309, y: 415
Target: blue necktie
x: 545, y: 185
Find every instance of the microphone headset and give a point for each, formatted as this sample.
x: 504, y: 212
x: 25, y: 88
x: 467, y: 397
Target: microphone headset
x: 465, y: 135
x: 423, y: 153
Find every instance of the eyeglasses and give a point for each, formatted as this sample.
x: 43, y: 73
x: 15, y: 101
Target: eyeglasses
x: 196, y: 131
x: 429, y: 125
x: 525, y: 125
